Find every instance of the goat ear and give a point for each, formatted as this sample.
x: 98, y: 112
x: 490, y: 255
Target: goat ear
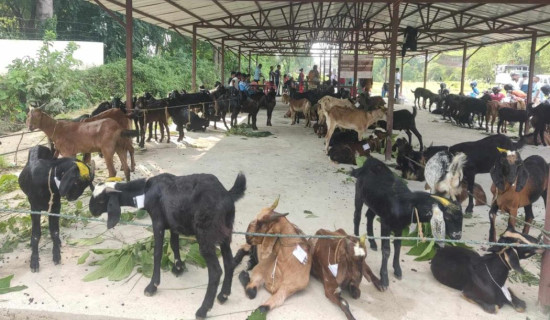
x: 496, y: 175
x: 511, y: 256
x: 521, y: 181
x: 113, y: 210
x: 67, y: 180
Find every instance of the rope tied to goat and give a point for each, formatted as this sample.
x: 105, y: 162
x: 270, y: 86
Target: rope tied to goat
x: 305, y: 236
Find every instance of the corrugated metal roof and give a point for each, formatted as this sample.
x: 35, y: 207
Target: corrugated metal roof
x: 271, y: 26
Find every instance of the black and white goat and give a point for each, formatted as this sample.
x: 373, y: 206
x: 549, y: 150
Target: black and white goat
x: 197, y: 205
x: 443, y: 174
x: 388, y: 197
x: 482, y: 278
x: 44, y: 181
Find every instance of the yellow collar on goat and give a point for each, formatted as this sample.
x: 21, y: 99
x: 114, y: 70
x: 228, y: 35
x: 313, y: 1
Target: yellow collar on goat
x: 445, y: 202
x: 113, y: 179
x: 83, y: 169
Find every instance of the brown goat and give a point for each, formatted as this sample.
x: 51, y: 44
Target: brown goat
x: 492, y: 111
x: 280, y: 271
x: 122, y: 119
x: 327, y: 102
x: 516, y: 183
x: 153, y: 111
x: 354, y: 119
x: 340, y: 265
x: 300, y: 105
x: 105, y: 136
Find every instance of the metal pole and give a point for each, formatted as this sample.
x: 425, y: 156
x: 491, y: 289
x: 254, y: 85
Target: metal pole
x: 330, y: 64
x: 530, y: 86
x: 463, y: 74
x: 324, y: 64
x: 386, y: 70
x: 194, y: 61
x: 223, y: 62
x: 355, y: 58
x: 239, y: 58
x: 425, y: 69
x: 339, y: 61
x: 402, y: 76
x: 391, y: 91
x: 129, y: 65
x: 544, y: 284
x: 249, y: 62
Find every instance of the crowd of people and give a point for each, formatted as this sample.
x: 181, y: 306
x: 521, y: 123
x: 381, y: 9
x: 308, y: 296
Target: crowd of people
x: 515, y: 90
x: 249, y: 83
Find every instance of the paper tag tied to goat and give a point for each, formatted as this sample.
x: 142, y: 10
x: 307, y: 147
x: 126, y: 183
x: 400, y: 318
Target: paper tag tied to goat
x: 437, y: 224
x: 333, y: 269
x: 366, y: 146
x: 506, y: 292
x: 300, y: 254
x: 139, y: 201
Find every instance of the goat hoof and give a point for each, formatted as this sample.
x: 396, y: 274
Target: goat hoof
x: 373, y: 245
x: 200, y: 314
x: 263, y: 309
x: 222, y: 297
x: 244, y: 278
x: 150, y: 290
x: 179, y: 268
x: 251, y: 293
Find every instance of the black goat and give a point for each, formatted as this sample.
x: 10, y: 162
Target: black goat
x: 474, y: 106
x: 345, y: 146
x: 388, y: 197
x: 44, y: 181
x: 512, y: 115
x: 197, y: 205
x: 248, y: 105
x: 270, y: 103
x: 404, y: 120
x: 482, y: 278
x: 225, y: 100
x: 481, y: 154
x: 516, y: 184
x: 410, y: 162
x: 104, y: 106
x: 542, y: 115
x: 179, y: 108
x: 426, y: 95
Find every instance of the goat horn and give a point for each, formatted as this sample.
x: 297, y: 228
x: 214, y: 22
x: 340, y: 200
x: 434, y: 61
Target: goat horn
x: 275, y: 215
x: 113, y: 179
x: 276, y: 203
x: 442, y: 200
x: 502, y: 150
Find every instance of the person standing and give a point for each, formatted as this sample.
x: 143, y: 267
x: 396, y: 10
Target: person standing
x: 258, y: 73
x: 397, y: 82
x: 313, y: 78
x: 301, y: 77
x: 271, y: 74
x: 276, y: 78
x: 524, y: 83
x: 538, y: 96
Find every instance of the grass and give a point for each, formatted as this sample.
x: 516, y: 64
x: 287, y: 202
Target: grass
x: 3, y: 163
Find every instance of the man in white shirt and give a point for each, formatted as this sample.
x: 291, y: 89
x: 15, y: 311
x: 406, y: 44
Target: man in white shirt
x: 397, y: 82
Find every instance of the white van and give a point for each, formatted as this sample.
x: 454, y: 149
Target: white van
x: 544, y: 78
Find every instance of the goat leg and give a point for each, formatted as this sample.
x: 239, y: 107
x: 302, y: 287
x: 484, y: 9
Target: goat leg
x: 35, y: 239
x: 370, y: 220
x: 151, y: 289
x: 357, y: 212
x: 470, y: 178
x: 228, y: 268
x: 54, y: 234
x: 369, y: 275
x: 492, y: 218
x: 385, y: 232
x: 518, y: 304
x: 254, y: 127
x: 489, y: 308
x: 397, y: 250
x: 528, y: 218
x: 179, y: 266
x: 332, y: 292
x: 208, y: 251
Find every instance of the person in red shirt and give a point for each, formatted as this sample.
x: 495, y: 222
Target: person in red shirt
x: 497, y: 95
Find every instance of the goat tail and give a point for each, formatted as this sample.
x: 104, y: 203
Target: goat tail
x: 129, y: 133
x: 239, y: 187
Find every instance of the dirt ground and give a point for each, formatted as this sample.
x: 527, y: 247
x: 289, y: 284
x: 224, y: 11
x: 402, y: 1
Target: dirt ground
x: 292, y: 164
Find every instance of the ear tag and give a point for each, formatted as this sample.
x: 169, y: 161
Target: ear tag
x: 57, y: 182
x: 437, y: 224
x: 300, y: 254
x: 333, y: 269
x: 506, y: 292
x: 366, y: 146
x: 139, y: 201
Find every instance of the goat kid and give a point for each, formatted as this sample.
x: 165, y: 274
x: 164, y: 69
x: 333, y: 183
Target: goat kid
x: 44, y: 180
x: 197, y: 205
x: 482, y: 279
x: 283, y: 265
x: 343, y: 269
x: 517, y: 183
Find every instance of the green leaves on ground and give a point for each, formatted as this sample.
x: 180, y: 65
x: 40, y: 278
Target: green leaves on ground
x: 85, y: 241
x: 246, y: 130
x: 8, y: 183
x: 118, y: 264
x: 529, y: 278
x: 5, y: 285
x: 426, y: 250
x: 257, y: 315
